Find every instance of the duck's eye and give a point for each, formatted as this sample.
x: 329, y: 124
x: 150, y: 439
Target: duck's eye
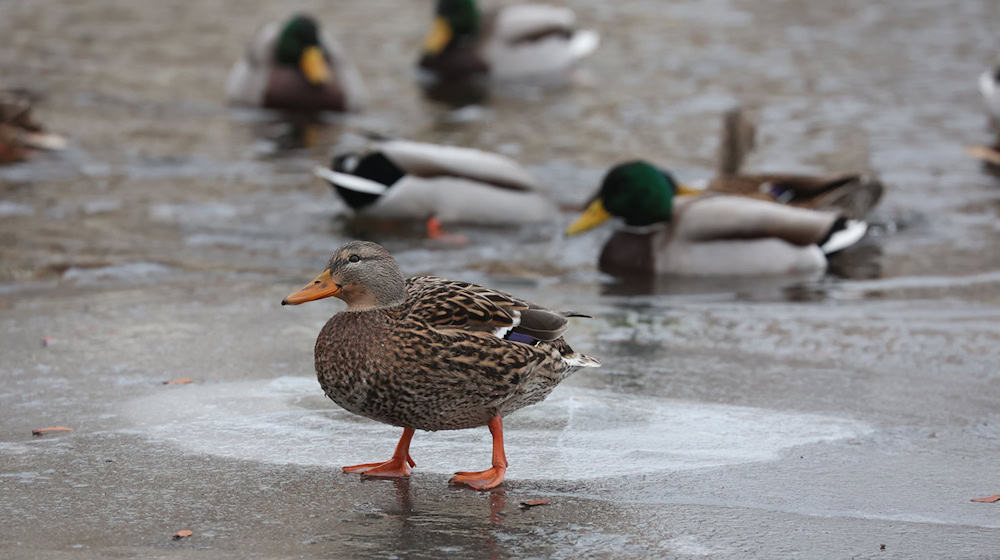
x: 354, y: 258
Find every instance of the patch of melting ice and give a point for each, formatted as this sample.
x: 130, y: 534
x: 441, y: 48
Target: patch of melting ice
x: 575, y: 434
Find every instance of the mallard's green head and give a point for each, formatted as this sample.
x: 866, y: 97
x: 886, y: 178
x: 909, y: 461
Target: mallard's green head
x: 636, y: 191
x: 454, y: 18
x: 299, y: 46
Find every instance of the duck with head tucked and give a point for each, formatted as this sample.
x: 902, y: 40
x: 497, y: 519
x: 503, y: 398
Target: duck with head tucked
x: 707, y: 235
x: 510, y: 43
x: 402, y: 179
x: 295, y: 66
x: 425, y: 353
x: 989, y: 87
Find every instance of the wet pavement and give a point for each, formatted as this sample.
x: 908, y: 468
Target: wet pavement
x: 801, y: 418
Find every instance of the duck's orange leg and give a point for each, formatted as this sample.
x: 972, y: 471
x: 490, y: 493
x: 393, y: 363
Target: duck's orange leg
x: 436, y: 232
x: 492, y: 477
x: 397, y: 467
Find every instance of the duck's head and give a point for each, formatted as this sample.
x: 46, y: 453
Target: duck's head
x: 636, y: 191
x: 453, y: 19
x: 361, y: 273
x: 299, y: 46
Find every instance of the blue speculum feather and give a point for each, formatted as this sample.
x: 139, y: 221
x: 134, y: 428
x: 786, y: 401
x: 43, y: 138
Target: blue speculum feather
x: 521, y: 337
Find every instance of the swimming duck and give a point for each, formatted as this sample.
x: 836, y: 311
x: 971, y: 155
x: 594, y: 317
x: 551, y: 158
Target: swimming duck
x: 19, y: 132
x: 427, y: 353
x: 852, y: 194
x: 710, y: 234
x: 415, y: 180
x: 989, y: 86
x: 508, y: 43
x: 295, y: 66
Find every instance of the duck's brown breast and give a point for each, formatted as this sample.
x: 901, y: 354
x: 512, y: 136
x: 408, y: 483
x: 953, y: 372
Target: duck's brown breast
x: 351, y: 363
x: 628, y: 253
x: 287, y: 89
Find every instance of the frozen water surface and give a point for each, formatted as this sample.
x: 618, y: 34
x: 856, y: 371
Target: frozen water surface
x: 575, y: 434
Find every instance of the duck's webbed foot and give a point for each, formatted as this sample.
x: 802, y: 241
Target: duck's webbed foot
x: 393, y: 468
x: 480, y: 480
x: 397, y: 467
x: 492, y: 477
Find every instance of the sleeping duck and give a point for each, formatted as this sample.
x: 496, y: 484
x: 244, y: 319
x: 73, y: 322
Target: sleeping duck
x: 295, y: 66
x: 852, y: 194
x: 709, y: 234
x: 427, y: 353
x: 400, y: 179
x: 509, y: 43
x: 989, y: 86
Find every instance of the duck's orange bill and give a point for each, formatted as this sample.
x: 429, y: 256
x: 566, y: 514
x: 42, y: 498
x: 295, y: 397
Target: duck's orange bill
x: 322, y: 287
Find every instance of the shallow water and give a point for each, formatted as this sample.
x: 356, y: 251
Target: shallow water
x: 854, y: 409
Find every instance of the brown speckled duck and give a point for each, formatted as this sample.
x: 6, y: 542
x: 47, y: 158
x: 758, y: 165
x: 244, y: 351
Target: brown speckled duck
x: 432, y: 354
x: 19, y: 131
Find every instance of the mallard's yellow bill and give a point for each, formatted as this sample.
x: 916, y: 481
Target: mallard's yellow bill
x: 322, y: 287
x: 684, y: 190
x: 314, y: 66
x: 439, y: 37
x: 593, y: 216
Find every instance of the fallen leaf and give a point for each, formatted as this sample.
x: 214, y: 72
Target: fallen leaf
x: 987, y: 499
x: 43, y: 431
x: 534, y: 503
x: 182, y: 533
x: 181, y: 381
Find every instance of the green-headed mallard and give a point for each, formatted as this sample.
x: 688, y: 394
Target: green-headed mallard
x: 295, y: 66
x: 427, y: 353
x: 442, y: 184
x: 19, y: 132
x: 710, y: 234
x: 508, y: 43
x: 852, y: 194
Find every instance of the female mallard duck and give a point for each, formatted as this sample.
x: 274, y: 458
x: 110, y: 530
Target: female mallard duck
x: 851, y: 194
x: 19, y: 132
x: 509, y: 43
x: 427, y: 353
x: 295, y: 67
x: 709, y: 235
x: 414, y: 180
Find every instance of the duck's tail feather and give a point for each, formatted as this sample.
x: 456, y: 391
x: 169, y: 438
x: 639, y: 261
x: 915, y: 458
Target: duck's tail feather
x: 350, y: 182
x: 581, y: 360
x: 583, y: 42
x: 843, y: 234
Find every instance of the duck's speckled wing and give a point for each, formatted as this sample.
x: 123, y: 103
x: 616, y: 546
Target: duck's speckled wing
x: 449, y: 304
x: 440, y: 361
